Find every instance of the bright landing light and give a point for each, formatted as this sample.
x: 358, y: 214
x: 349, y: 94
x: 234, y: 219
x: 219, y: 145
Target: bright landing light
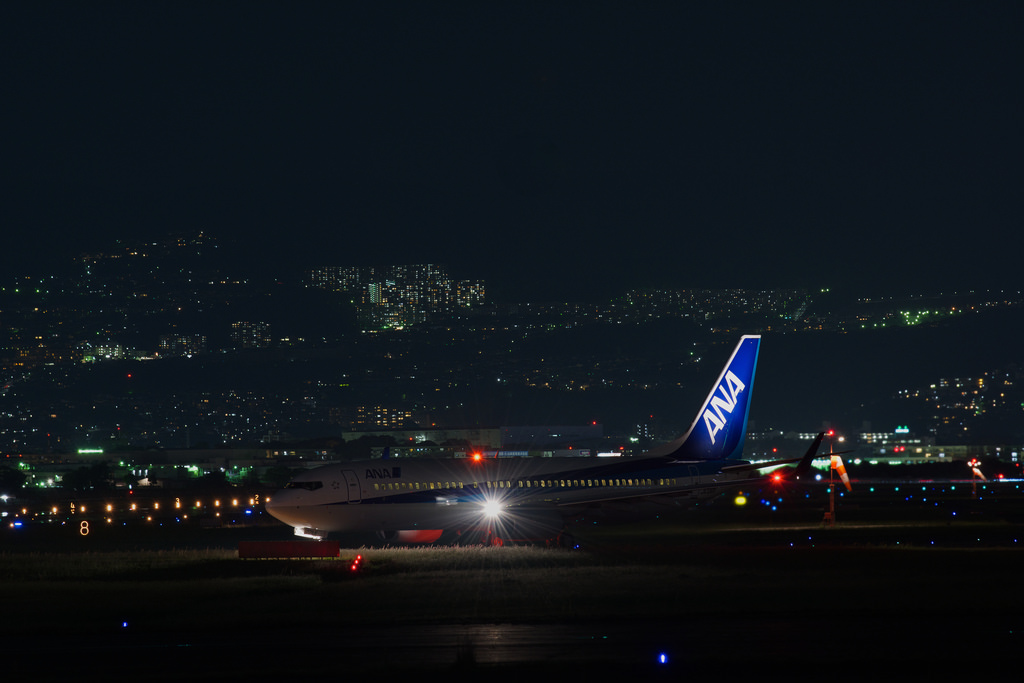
x: 492, y: 508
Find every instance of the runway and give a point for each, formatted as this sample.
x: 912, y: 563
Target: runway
x: 764, y: 647
x: 929, y: 593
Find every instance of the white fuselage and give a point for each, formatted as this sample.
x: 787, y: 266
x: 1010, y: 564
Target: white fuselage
x: 458, y: 493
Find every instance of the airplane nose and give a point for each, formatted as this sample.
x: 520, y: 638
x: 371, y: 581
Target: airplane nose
x: 282, y: 514
x: 277, y: 508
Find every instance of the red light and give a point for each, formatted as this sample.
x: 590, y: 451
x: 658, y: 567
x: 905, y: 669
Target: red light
x: 477, y: 457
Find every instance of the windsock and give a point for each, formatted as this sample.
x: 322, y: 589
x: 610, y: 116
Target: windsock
x: 976, y: 469
x: 837, y: 465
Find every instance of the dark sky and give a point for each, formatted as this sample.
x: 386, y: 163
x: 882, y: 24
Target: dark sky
x: 571, y: 147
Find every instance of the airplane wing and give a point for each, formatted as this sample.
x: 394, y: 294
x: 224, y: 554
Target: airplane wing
x: 708, y: 482
x: 704, y: 487
x: 760, y: 465
x: 801, y: 469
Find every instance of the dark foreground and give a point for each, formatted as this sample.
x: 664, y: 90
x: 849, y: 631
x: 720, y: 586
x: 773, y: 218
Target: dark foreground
x: 933, y: 588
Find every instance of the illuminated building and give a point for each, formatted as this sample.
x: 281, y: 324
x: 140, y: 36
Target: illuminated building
x: 182, y: 344
x: 251, y: 335
x: 399, y: 296
x: 381, y: 417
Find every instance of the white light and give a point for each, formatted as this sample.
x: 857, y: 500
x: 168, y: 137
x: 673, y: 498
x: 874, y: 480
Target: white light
x: 492, y: 508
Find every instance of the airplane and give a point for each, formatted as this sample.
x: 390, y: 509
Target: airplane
x: 418, y: 500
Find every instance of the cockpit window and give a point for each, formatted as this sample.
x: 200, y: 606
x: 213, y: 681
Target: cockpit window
x: 307, y: 485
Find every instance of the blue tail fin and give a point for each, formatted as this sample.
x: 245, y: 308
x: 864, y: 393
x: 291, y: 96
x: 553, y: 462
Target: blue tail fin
x: 721, y: 425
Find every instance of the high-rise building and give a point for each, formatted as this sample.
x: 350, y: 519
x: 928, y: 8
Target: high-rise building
x: 251, y: 335
x: 381, y: 417
x: 182, y: 344
x: 399, y: 296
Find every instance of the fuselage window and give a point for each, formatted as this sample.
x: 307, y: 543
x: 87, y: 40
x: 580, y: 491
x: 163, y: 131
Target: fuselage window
x: 307, y: 485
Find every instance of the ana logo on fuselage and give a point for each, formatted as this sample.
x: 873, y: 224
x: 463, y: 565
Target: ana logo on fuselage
x: 384, y: 473
x: 722, y: 406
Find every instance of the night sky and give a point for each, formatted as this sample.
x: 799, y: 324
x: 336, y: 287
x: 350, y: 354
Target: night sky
x: 554, y: 149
